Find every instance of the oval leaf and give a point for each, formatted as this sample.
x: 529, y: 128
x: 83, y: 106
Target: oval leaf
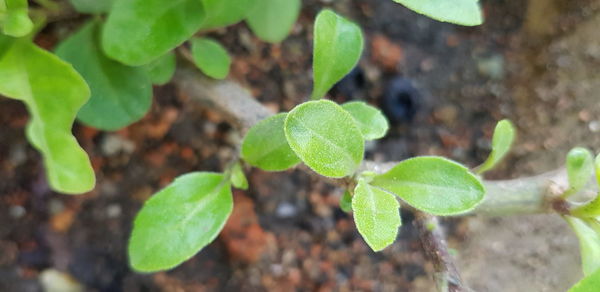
x: 53, y: 93
x: 325, y: 137
x: 588, y: 284
x: 346, y: 202
x: 376, y: 214
x: 502, y: 140
x: 14, y: 18
x: 338, y: 44
x: 463, y: 12
x: 139, y: 31
x: 161, y: 70
x: 221, y: 13
x: 272, y: 20
x: 433, y: 184
x: 371, y: 122
x: 121, y: 94
x: 266, y: 147
x: 92, y: 6
x: 179, y: 221
x: 580, y: 167
x: 210, y: 57
x: 589, y: 244
x: 238, y: 179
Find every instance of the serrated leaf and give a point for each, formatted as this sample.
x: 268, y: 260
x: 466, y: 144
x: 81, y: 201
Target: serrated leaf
x: 346, y: 202
x: 238, y: 179
x: 161, y: 70
x: 376, y: 214
x: 14, y: 18
x: 580, y: 167
x: 266, y: 147
x: 371, y: 122
x: 178, y: 221
x: 338, y: 44
x: 589, y: 244
x: 502, y: 140
x: 589, y: 284
x: 53, y: 93
x: 121, y: 94
x: 92, y: 6
x: 272, y: 20
x: 463, y: 12
x: 138, y: 32
x: 325, y: 137
x: 221, y: 13
x: 433, y: 184
x: 210, y: 57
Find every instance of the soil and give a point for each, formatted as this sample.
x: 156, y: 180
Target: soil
x: 442, y: 86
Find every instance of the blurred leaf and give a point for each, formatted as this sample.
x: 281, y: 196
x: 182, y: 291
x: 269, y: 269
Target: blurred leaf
x: 266, y: 147
x: 338, y: 44
x: 371, y: 122
x: 180, y: 220
x: 92, y: 6
x: 580, y: 167
x: 433, y: 184
x: 589, y: 244
x: 346, y: 202
x: 462, y: 12
x: 504, y: 136
x: 121, y: 94
x: 138, y: 32
x: 589, y: 209
x: 161, y: 70
x: 238, y: 179
x: 272, y: 20
x: 210, y: 57
x: 53, y: 93
x: 325, y: 137
x: 14, y: 18
x: 588, y: 284
x: 220, y: 13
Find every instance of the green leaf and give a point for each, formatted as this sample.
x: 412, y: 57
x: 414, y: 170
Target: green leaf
x: 140, y: 31
x: 179, y: 221
x: 371, y: 122
x: 597, y: 168
x: 376, y: 214
x: 589, y: 244
x: 238, y: 179
x: 14, y: 18
x: 161, y: 70
x: 325, y: 137
x: 504, y: 136
x: 121, y: 94
x: 433, y: 184
x: 266, y: 147
x: 272, y: 20
x: 92, y: 6
x: 211, y: 57
x: 580, y: 167
x: 588, y: 284
x: 463, y: 12
x: 53, y: 93
x: 338, y: 44
x: 221, y: 13
x: 589, y: 209
x: 346, y: 202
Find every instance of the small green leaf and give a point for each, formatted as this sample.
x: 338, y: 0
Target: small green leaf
x: 14, y: 18
x: 338, y: 44
x: 376, y: 214
x: 53, y: 93
x: 221, y: 13
x: 462, y: 12
x: 179, y: 221
x: 140, y: 31
x: 580, y: 167
x: 210, y: 57
x: 589, y: 284
x: 371, y: 122
x: 589, y: 244
x: 161, y: 70
x: 266, y: 147
x: 272, y: 20
x: 92, y: 6
x: 346, y: 202
x: 325, y: 137
x: 589, y: 209
x: 504, y: 136
x: 238, y: 179
x: 597, y: 168
x: 433, y: 184
x: 121, y: 94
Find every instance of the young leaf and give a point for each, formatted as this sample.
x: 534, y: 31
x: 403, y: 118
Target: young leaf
x: 346, y: 202
x: 266, y: 147
x: 589, y: 244
x: 433, y: 184
x: 179, y: 221
x: 504, y: 136
x: 53, y: 93
x: 161, y: 70
x: 14, y: 18
x: 121, y: 94
x: 588, y: 210
x: 92, y: 6
x: 589, y: 284
x: 272, y: 20
x: 376, y: 215
x: 211, y: 57
x: 325, y: 137
x: 338, y: 44
x: 580, y: 167
x: 139, y: 31
x: 371, y: 122
x: 221, y: 13
x: 462, y: 12
x: 238, y: 179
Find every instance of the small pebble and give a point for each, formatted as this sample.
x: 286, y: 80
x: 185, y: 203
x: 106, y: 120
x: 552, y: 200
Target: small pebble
x: 56, y: 281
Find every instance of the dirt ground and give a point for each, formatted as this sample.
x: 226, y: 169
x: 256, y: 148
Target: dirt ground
x: 442, y: 86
